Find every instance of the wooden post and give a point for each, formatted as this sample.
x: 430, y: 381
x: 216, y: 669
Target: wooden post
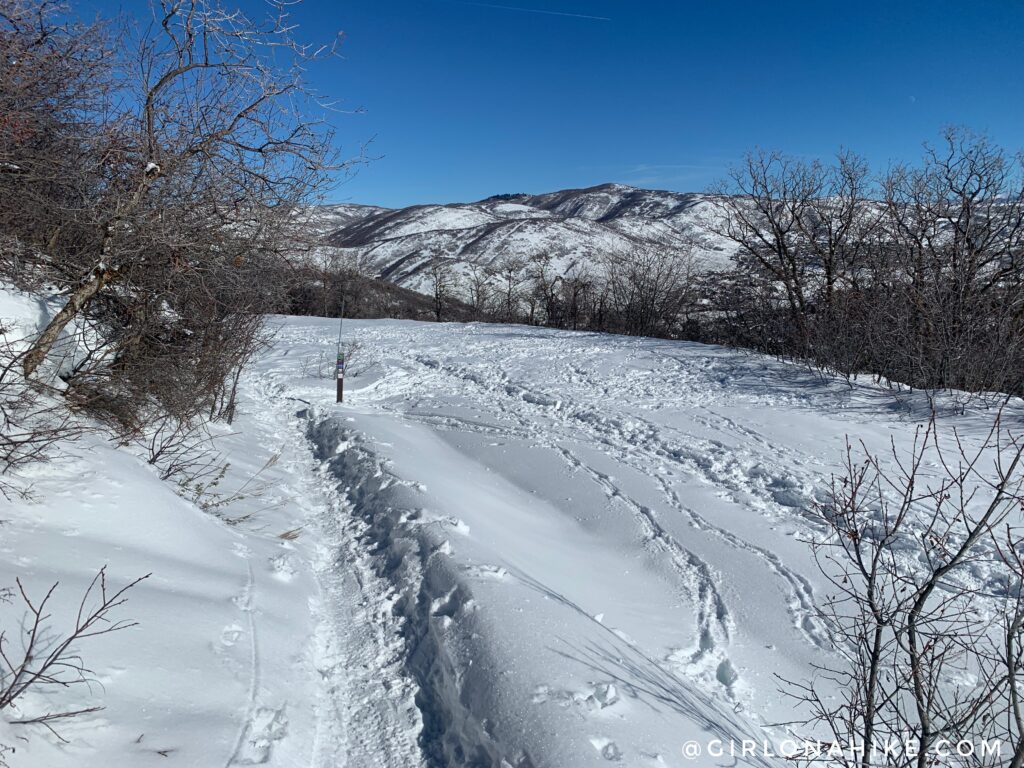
x: 341, y: 377
x: 340, y: 372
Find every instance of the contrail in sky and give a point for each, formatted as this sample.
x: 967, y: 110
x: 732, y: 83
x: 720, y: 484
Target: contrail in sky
x: 532, y: 10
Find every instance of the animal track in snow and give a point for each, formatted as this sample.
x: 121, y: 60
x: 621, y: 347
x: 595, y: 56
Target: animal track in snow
x: 230, y: 634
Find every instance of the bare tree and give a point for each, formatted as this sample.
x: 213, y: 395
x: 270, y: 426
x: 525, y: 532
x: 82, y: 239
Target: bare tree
x: 188, y: 164
x: 544, y: 292
x: 916, y: 277
x: 29, y: 427
x: 760, y: 210
x: 577, y: 288
x: 837, y: 222
x: 510, y: 272
x: 481, y: 292
x: 956, y: 229
x: 443, y: 283
x: 648, y: 288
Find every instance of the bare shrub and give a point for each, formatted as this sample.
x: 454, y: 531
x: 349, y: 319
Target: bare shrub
x: 205, y: 490
x: 479, y: 288
x: 180, y: 449
x: 443, y: 283
x: 648, y: 289
x: 510, y: 275
x: 185, y: 454
x: 925, y: 605
x: 38, y: 657
x: 324, y: 365
x: 319, y: 366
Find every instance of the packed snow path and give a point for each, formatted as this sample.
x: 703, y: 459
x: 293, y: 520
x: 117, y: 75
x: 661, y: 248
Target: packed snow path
x: 264, y: 634
x: 597, y: 545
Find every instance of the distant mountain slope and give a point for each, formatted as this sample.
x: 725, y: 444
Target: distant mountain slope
x: 576, y: 227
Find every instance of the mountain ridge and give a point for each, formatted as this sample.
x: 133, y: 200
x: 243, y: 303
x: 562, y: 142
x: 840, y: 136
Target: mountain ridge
x: 574, y: 228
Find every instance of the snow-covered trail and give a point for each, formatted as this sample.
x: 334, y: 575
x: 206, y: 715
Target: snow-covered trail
x: 264, y: 635
x: 596, y: 543
x: 365, y: 715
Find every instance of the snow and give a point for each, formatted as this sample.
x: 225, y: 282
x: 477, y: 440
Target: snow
x: 566, y: 226
x: 325, y: 218
x: 20, y: 313
x: 599, y: 542
x: 510, y: 546
x: 517, y: 211
x: 247, y: 639
x: 263, y: 636
x: 436, y: 217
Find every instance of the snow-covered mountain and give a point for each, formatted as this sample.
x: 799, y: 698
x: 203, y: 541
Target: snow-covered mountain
x: 576, y: 227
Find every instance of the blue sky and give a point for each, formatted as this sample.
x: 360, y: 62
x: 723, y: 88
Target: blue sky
x: 465, y: 99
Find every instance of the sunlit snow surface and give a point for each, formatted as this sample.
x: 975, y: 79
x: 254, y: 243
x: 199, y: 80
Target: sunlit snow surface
x: 508, y: 544
x: 601, y: 542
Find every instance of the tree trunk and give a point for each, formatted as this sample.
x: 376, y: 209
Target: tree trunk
x: 79, y: 298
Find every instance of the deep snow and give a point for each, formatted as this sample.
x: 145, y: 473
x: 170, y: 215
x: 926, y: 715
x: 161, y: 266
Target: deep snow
x: 263, y: 636
x: 510, y: 546
x: 601, y: 542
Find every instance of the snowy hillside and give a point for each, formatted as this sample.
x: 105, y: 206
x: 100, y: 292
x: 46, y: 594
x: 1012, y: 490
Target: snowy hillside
x: 508, y: 547
x: 575, y: 227
x: 598, y: 544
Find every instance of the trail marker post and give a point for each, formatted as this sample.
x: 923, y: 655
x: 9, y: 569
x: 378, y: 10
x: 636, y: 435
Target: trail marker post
x: 341, y: 377
x: 339, y: 373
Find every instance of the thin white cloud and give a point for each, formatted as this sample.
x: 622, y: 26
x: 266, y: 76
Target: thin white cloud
x: 532, y: 10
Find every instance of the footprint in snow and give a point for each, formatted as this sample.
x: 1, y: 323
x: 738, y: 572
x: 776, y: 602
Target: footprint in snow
x: 282, y: 567
x: 230, y: 634
x: 444, y: 548
x: 493, y: 572
x: 608, y: 749
x: 457, y: 525
x: 266, y: 726
x: 596, y: 697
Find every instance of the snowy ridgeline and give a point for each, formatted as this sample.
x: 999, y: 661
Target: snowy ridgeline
x: 509, y: 546
x: 575, y: 229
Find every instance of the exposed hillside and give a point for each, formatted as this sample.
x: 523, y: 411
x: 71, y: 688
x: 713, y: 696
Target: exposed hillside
x: 576, y: 227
